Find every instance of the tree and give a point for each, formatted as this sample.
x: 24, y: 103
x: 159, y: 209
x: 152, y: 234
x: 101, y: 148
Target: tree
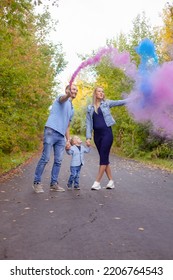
x: 28, y: 67
x: 42, y: 2
x: 166, y: 35
x: 80, y: 104
x: 141, y: 29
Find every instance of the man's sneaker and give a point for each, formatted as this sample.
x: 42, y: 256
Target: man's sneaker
x: 69, y: 187
x: 76, y: 188
x: 96, y: 186
x: 110, y: 185
x: 38, y: 188
x: 56, y: 188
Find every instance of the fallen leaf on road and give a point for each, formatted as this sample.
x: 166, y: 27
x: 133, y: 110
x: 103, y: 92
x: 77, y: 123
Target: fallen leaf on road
x: 141, y: 228
x: 23, y: 214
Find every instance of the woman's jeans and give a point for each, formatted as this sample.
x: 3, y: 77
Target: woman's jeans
x: 74, y: 176
x: 56, y: 140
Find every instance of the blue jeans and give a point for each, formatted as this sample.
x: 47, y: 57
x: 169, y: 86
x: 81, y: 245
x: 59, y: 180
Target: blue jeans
x: 56, y: 140
x: 74, y: 176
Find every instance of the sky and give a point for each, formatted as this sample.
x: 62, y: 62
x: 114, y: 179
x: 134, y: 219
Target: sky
x: 85, y: 25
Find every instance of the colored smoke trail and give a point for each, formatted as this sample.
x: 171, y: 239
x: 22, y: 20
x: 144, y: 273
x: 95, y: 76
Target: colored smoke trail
x: 121, y: 60
x: 152, y: 96
x: 151, y: 99
x: 90, y: 61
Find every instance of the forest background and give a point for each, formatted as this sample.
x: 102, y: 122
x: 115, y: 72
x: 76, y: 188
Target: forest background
x: 29, y: 68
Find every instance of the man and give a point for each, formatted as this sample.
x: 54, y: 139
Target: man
x: 56, y: 135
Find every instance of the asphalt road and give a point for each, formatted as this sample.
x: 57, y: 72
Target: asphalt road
x: 132, y: 222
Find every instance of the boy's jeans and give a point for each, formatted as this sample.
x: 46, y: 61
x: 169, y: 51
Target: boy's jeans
x: 74, y: 176
x: 56, y: 140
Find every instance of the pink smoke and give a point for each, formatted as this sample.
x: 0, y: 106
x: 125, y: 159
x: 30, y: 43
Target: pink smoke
x: 120, y: 60
x: 123, y: 61
x: 151, y: 99
x: 158, y: 108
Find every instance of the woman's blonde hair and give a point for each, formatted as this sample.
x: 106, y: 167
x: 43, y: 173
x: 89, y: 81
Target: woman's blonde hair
x: 94, y: 98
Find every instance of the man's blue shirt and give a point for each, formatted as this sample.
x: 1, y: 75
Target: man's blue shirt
x: 60, y: 115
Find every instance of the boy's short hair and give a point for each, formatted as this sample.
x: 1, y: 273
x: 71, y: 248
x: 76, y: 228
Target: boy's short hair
x: 72, y: 139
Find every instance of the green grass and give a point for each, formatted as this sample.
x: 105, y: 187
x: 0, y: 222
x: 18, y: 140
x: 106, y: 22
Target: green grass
x: 164, y: 164
x: 9, y: 162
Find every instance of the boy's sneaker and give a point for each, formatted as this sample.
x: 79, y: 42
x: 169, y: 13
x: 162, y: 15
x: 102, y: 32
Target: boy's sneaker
x: 96, y: 186
x: 76, y: 188
x: 110, y: 185
x: 56, y: 188
x: 38, y: 187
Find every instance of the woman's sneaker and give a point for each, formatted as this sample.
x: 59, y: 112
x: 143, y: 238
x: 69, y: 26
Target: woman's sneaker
x: 96, y: 186
x: 38, y: 187
x: 110, y: 185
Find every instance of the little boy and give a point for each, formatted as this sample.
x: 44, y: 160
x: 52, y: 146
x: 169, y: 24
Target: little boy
x: 77, y: 151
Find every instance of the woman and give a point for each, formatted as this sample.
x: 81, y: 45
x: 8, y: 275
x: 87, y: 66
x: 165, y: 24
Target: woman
x: 100, y: 120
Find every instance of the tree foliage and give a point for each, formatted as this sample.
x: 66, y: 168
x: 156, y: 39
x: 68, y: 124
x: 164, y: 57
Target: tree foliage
x: 42, y: 2
x: 80, y: 103
x: 28, y: 67
x: 166, y: 34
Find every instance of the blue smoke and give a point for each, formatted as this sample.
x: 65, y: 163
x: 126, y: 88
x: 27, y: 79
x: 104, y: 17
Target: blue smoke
x: 149, y: 62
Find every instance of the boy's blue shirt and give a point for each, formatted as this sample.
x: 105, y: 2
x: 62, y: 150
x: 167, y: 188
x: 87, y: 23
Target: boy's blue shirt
x: 77, y: 155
